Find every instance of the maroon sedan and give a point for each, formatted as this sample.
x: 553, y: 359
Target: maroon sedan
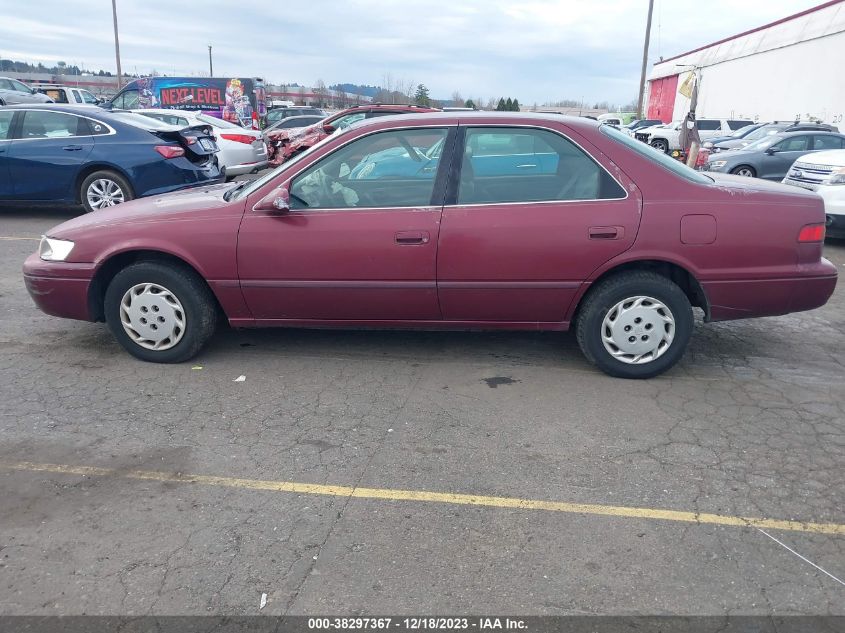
x: 448, y: 220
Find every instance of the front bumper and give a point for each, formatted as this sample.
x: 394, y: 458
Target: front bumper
x: 59, y: 288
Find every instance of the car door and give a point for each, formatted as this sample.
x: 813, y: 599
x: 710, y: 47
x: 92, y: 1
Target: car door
x: 357, y: 245
x: 49, y: 150
x: 6, y: 120
x: 776, y: 161
x: 516, y: 245
x: 7, y: 94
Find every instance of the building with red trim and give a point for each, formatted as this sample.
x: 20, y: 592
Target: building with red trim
x: 789, y: 69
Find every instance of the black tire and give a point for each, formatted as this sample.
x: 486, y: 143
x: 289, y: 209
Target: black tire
x: 200, y: 309
x: 660, y: 144
x: 106, y: 175
x: 602, y: 299
x: 747, y: 168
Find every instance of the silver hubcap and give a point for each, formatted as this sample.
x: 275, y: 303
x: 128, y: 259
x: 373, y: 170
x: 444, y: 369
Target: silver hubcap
x: 744, y: 172
x: 104, y: 193
x: 152, y: 316
x: 659, y: 145
x: 638, y: 330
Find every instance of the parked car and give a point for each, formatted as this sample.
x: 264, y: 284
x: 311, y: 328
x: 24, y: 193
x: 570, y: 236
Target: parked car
x: 824, y: 173
x: 85, y: 155
x: 13, y: 92
x: 293, y: 143
x: 619, y: 243
x: 284, y: 128
x: 771, y: 156
x: 669, y: 139
x: 67, y: 94
x: 741, y: 133
x: 762, y: 131
x: 274, y: 115
x: 242, y: 151
x: 639, y: 124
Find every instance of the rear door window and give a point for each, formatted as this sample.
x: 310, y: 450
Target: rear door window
x: 794, y: 144
x: 822, y: 141
x: 502, y: 165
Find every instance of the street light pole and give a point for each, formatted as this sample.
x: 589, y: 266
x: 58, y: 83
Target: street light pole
x: 645, y: 60
x: 116, y: 41
x: 210, y: 66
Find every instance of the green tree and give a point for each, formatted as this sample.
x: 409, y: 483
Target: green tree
x: 501, y: 107
x: 421, y: 96
x: 516, y: 105
x: 470, y: 104
x: 509, y: 105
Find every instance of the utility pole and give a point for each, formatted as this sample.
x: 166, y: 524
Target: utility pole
x: 210, y: 65
x: 645, y: 60
x: 116, y: 41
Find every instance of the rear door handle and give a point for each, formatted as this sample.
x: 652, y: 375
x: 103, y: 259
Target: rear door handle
x: 72, y: 148
x: 606, y: 232
x: 408, y: 238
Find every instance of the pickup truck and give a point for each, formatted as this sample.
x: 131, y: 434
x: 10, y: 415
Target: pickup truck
x: 667, y: 139
x: 68, y: 94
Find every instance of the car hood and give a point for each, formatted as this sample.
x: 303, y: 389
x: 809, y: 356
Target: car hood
x: 734, y: 143
x: 196, y: 202
x: 833, y: 158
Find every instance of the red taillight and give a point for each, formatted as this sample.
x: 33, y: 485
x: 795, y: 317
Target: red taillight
x: 701, y: 159
x: 239, y: 138
x: 811, y: 233
x: 170, y: 151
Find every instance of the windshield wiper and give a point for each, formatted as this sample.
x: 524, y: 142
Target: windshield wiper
x: 228, y: 195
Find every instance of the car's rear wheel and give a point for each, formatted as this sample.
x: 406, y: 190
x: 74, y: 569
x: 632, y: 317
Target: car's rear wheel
x: 104, y: 189
x: 634, y: 325
x: 159, y: 312
x: 660, y: 145
x: 744, y: 170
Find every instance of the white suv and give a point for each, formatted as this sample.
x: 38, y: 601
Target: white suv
x: 824, y: 173
x: 668, y: 139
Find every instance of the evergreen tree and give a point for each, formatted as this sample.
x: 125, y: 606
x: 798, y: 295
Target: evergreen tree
x: 516, y: 105
x: 509, y: 105
x: 470, y: 104
x: 421, y: 96
x: 501, y: 107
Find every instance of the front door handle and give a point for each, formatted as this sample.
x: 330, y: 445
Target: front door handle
x: 72, y: 148
x: 606, y: 232
x: 409, y: 238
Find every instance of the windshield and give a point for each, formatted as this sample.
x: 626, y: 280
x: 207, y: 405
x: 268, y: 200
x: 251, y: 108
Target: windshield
x: 762, y: 132
x: 762, y: 143
x: 246, y: 188
x: 655, y: 156
x: 741, y: 132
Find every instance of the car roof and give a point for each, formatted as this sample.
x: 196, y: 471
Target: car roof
x: 480, y: 118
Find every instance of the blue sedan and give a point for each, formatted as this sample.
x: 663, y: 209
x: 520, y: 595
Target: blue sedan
x: 85, y: 155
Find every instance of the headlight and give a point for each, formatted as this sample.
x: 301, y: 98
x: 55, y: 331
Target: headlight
x: 837, y: 177
x: 53, y: 250
x: 717, y: 164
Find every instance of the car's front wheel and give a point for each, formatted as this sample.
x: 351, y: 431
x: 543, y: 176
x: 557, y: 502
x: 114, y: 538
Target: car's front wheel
x: 660, y: 145
x: 104, y: 189
x: 744, y: 170
x: 160, y: 312
x: 635, y: 325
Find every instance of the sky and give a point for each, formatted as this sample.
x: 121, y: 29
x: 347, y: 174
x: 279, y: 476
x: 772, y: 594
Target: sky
x: 537, y: 51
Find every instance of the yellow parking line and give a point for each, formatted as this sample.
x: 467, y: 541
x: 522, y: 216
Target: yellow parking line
x: 436, y: 497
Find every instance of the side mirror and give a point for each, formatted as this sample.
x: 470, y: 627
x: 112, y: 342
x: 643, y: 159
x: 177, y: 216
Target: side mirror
x: 328, y: 128
x: 772, y: 150
x: 34, y: 91
x: 277, y: 202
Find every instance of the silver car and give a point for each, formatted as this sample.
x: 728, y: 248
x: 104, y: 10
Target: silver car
x: 13, y: 92
x: 242, y: 151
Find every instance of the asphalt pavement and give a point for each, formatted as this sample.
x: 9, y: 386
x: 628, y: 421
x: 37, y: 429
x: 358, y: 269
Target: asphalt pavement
x: 355, y: 472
